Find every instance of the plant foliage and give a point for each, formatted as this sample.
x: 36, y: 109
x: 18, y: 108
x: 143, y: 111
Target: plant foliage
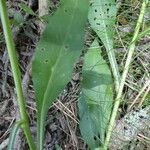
x: 102, y: 17
x: 27, y: 9
x: 12, y: 137
x: 57, y: 51
x: 95, y: 104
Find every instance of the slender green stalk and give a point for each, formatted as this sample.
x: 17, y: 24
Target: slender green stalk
x: 124, y: 75
x: 16, y: 72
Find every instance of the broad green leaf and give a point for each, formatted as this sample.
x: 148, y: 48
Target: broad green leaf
x: 27, y: 9
x: 57, y: 51
x: 95, y: 104
x: 102, y: 17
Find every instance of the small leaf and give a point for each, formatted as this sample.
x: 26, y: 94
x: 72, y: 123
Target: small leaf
x: 18, y: 18
x: 27, y: 9
x: 45, y: 17
x: 95, y: 104
x: 102, y: 17
x: 57, y: 147
x: 58, y: 50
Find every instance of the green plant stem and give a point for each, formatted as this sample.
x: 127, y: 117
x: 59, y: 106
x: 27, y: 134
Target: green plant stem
x: 16, y: 73
x: 124, y: 75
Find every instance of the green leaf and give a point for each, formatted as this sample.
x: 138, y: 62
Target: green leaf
x: 12, y: 137
x: 95, y: 104
x: 102, y: 17
x: 45, y: 17
x: 57, y: 147
x: 18, y: 18
x: 27, y: 9
x: 57, y: 51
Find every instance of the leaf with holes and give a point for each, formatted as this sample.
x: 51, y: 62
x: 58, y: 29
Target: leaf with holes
x: 102, y: 17
x: 95, y: 104
x: 56, y: 53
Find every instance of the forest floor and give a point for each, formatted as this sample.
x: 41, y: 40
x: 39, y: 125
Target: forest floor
x: 62, y: 122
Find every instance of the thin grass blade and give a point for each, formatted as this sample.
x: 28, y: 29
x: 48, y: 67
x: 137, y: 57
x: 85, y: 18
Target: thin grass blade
x: 12, y: 137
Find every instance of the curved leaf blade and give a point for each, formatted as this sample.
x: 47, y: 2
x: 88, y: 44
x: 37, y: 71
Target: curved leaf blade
x: 96, y: 100
x: 56, y: 53
x: 12, y: 138
x: 102, y: 17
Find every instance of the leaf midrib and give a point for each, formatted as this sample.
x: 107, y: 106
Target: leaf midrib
x: 109, y: 47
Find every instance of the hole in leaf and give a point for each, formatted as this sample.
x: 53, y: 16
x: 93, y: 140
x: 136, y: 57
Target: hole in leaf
x: 125, y: 128
x: 66, y: 46
x: 107, y: 10
x: 99, y: 136
x: 46, y: 61
x: 42, y: 49
x: 95, y: 18
x: 98, y: 24
x: 95, y: 138
x: 91, y: 4
x: 95, y: 10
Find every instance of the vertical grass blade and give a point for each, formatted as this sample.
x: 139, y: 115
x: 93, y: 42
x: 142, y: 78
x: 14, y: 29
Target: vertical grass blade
x: 13, y: 133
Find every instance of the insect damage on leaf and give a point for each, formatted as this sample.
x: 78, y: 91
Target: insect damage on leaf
x: 58, y: 49
x: 102, y: 17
